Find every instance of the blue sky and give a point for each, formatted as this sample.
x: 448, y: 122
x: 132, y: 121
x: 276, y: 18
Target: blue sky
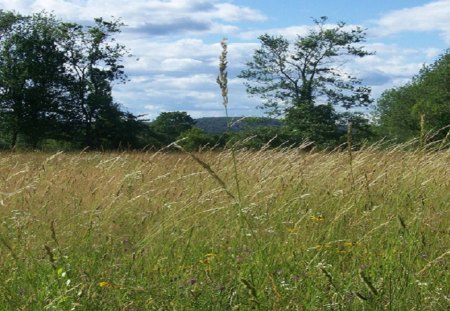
x: 177, y: 43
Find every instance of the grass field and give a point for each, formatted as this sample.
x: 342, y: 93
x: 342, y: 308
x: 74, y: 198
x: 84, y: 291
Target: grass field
x: 157, y: 231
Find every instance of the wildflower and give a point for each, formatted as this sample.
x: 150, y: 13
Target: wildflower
x: 105, y: 284
x: 318, y: 218
x: 61, y: 272
x: 346, y: 247
x: 293, y: 230
x: 421, y: 284
x: 284, y: 284
x: 208, y: 258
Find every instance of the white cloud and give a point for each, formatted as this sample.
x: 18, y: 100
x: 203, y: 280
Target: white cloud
x: 181, y: 75
x: 392, y: 65
x: 434, y: 16
x: 432, y: 52
x: 162, y: 55
x: 202, y: 96
x: 232, y: 13
x: 155, y: 108
x: 289, y: 33
x: 178, y: 64
x: 185, y: 82
x: 157, y: 17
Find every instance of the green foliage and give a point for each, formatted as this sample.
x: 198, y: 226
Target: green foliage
x: 195, y: 139
x: 300, y: 80
x: 287, y: 75
x: 172, y: 124
x: 314, y: 123
x: 362, y: 131
x: 56, y: 80
x: 400, y: 109
x: 93, y: 62
x: 31, y: 77
x: 311, y: 130
x: 219, y: 125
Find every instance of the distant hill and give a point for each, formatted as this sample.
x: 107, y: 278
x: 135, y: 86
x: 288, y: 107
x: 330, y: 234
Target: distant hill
x: 218, y: 125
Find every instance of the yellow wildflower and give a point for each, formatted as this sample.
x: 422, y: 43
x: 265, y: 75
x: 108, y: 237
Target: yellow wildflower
x: 351, y: 244
x: 105, y: 284
x: 318, y: 218
x: 292, y: 230
x: 208, y: 258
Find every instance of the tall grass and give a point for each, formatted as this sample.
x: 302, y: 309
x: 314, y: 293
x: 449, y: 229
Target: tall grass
x: 156, y: 231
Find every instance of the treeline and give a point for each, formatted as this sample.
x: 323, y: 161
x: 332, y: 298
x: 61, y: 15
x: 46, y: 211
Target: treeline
x: 55, y: 84
x: 251, y: 132
x: 420, y: 108
x: 56, y: 80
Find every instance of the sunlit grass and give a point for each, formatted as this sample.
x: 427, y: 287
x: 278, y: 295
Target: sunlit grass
x: 156, y: 231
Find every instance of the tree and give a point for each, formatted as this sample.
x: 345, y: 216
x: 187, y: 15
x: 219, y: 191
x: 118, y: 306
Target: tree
x: 172, y: 124
x: 394, y: 113
x: 93, y: 63
x: 31, y: 70
x: 294, y: 79
x: 195, y: 139
x: 314, y: 123
x: 56, y: 81
x: 400, y: 110
x: 307, y: 72
x: 362, y: 130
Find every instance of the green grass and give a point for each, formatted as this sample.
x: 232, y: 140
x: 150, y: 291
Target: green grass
x: 143, y: 231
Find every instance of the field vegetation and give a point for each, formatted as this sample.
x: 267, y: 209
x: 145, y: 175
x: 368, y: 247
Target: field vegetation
x: 260, y: 221
x: 284, y: 229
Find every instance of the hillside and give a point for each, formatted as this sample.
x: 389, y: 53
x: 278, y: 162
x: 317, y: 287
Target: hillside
x: 217, y: 125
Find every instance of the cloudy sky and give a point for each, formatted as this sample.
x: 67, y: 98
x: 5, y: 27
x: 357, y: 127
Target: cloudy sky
x: 176, y: 43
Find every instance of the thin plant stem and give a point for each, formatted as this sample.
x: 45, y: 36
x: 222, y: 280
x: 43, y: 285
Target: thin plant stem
x: 222, y: 80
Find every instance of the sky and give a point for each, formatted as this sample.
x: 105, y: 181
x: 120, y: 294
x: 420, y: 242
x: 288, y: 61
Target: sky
x: 176, y: 43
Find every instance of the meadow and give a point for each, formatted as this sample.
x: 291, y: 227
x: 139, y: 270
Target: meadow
x: 285, y: 229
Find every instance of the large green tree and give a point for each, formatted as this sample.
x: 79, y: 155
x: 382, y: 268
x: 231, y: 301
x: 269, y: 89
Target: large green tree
x: 307, y: 71
x: 304, y: 80
x: 31, y: 76
x: 426, y: 97
x: 56, y: 82
x: 93, y: 63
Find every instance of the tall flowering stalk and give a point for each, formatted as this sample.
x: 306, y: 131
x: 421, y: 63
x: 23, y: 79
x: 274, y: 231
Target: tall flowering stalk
x: 222, y: 78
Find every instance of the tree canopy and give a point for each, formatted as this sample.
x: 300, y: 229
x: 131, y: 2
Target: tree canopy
x: 56, y: 81
x: 172, y: 124
x: 31, y: 76
x: 426, y: 97
x: 304, y: 80
x: 307, y: 72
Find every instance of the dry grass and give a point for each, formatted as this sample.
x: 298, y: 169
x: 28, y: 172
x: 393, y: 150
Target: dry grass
x: 142, y: 231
